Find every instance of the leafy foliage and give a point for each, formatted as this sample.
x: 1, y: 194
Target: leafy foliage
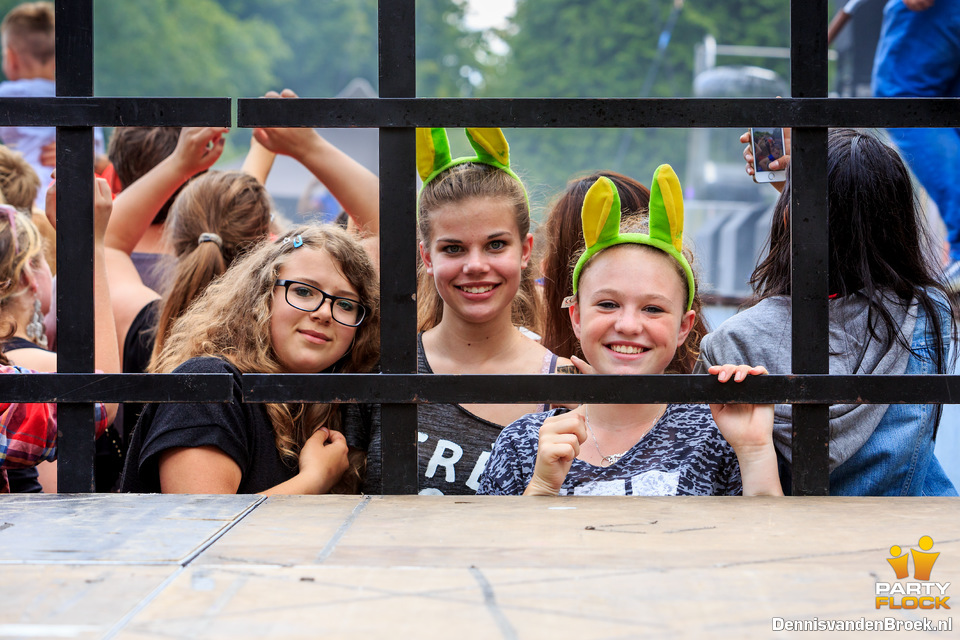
x: 183, y: 48
x: 448, y: 54
x: 331, y: 42
x: 606, y: 48
x: 562, y: 48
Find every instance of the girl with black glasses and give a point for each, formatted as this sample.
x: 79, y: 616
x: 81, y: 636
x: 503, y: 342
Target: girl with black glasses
x: 305, y: 303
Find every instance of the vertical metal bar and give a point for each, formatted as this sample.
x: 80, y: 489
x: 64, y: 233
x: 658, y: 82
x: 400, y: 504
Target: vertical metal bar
x: 398, y: 238
x: 808, y: 48
x: 810, y: 237
x: 75, y: 330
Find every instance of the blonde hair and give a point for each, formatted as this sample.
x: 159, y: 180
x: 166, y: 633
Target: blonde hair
x: 231, y: 320
x: 18, y: 181
x: 457, y: 184
x: 16, y: 256
x: 30, y: 29
x: 230, y: 204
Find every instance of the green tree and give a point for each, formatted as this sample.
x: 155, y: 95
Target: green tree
x: 450, y: 58
x: 331, y: 42
x: 182, y: 48
x: 609, y: 48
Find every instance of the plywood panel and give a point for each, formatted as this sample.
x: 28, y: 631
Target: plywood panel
x: 656, y: 532
x: 481, y: 567
x: 287, y: 530
x: 315, y: 602
x: 341, y: 602
x: 51, y: 601
x: 112, y: 528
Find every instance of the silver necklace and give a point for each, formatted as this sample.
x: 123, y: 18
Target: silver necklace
x: 615, y: 457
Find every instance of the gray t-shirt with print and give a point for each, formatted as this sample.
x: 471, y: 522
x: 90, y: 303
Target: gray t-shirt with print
x: 683, y: 454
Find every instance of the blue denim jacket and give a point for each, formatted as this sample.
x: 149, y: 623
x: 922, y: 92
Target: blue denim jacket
x: 898, y: 458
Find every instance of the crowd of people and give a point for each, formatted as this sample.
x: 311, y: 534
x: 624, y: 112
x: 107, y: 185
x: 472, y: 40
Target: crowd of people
x: 196, y: 273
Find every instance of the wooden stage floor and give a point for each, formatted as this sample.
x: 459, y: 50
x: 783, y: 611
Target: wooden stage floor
x: 150, y: 567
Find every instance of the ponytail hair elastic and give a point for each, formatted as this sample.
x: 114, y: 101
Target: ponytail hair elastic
x: 601, y: 223
x: 210, y: 237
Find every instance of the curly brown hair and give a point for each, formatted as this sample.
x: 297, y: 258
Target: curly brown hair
x: 231, y: 320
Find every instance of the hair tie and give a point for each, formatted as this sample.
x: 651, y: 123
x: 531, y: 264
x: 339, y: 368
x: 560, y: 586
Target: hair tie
x: 11, y: 214
x: 210, y: 237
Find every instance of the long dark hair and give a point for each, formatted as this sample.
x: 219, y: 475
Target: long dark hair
x: 879, y: 245
x: 563, y: 232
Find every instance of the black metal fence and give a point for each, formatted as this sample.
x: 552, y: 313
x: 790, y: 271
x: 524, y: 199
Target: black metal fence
x: 396, y: 113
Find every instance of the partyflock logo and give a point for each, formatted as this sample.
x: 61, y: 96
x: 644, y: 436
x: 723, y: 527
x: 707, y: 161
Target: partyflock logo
x: 919, y: 593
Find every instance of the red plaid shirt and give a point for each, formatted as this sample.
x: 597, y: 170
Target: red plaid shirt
x: 28, y: 432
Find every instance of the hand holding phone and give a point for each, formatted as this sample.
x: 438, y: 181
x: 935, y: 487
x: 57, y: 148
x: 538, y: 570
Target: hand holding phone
x: 767, y: 144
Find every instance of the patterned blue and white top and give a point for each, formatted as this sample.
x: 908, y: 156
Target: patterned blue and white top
x: 683, y: 454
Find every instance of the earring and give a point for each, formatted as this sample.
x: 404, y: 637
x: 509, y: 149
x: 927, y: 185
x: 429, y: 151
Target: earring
x: 35, y: 328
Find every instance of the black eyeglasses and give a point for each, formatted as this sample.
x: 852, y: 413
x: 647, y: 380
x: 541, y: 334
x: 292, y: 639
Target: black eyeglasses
x: 307, y: 297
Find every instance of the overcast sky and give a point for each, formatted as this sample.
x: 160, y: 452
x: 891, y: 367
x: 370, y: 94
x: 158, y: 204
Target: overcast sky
x: 488, y: 13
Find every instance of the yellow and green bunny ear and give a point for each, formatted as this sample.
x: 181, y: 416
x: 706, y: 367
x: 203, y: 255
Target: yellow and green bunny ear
x: 601, y: 212
x: 601, y: 223
x: 433, y: 152
x: 666, y: 207
x: 491, y: 146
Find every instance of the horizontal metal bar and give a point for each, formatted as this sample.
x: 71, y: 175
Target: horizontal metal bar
x: 126, y: 387
x: 598, y: 112
x: 115, y: 112
x: 493, y: 389
x: 496, y: 389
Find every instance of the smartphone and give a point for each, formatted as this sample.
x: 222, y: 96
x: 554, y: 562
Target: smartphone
x: 768, y: 146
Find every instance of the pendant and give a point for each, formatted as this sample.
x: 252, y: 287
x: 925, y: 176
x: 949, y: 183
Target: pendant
x: 613, y: 459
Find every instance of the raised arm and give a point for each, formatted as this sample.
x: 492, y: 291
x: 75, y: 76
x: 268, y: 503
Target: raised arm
x: 106, y: 353
x: 259, y: 161
x: 137, y: 205
x: 559, y: 445
x: 353, y: 185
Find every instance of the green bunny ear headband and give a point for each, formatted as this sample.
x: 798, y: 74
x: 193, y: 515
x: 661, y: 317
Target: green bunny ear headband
x: 601, y: 222
x: 433, y: 152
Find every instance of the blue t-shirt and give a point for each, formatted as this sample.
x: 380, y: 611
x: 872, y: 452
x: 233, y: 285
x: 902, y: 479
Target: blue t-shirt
x: 683, y: 454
